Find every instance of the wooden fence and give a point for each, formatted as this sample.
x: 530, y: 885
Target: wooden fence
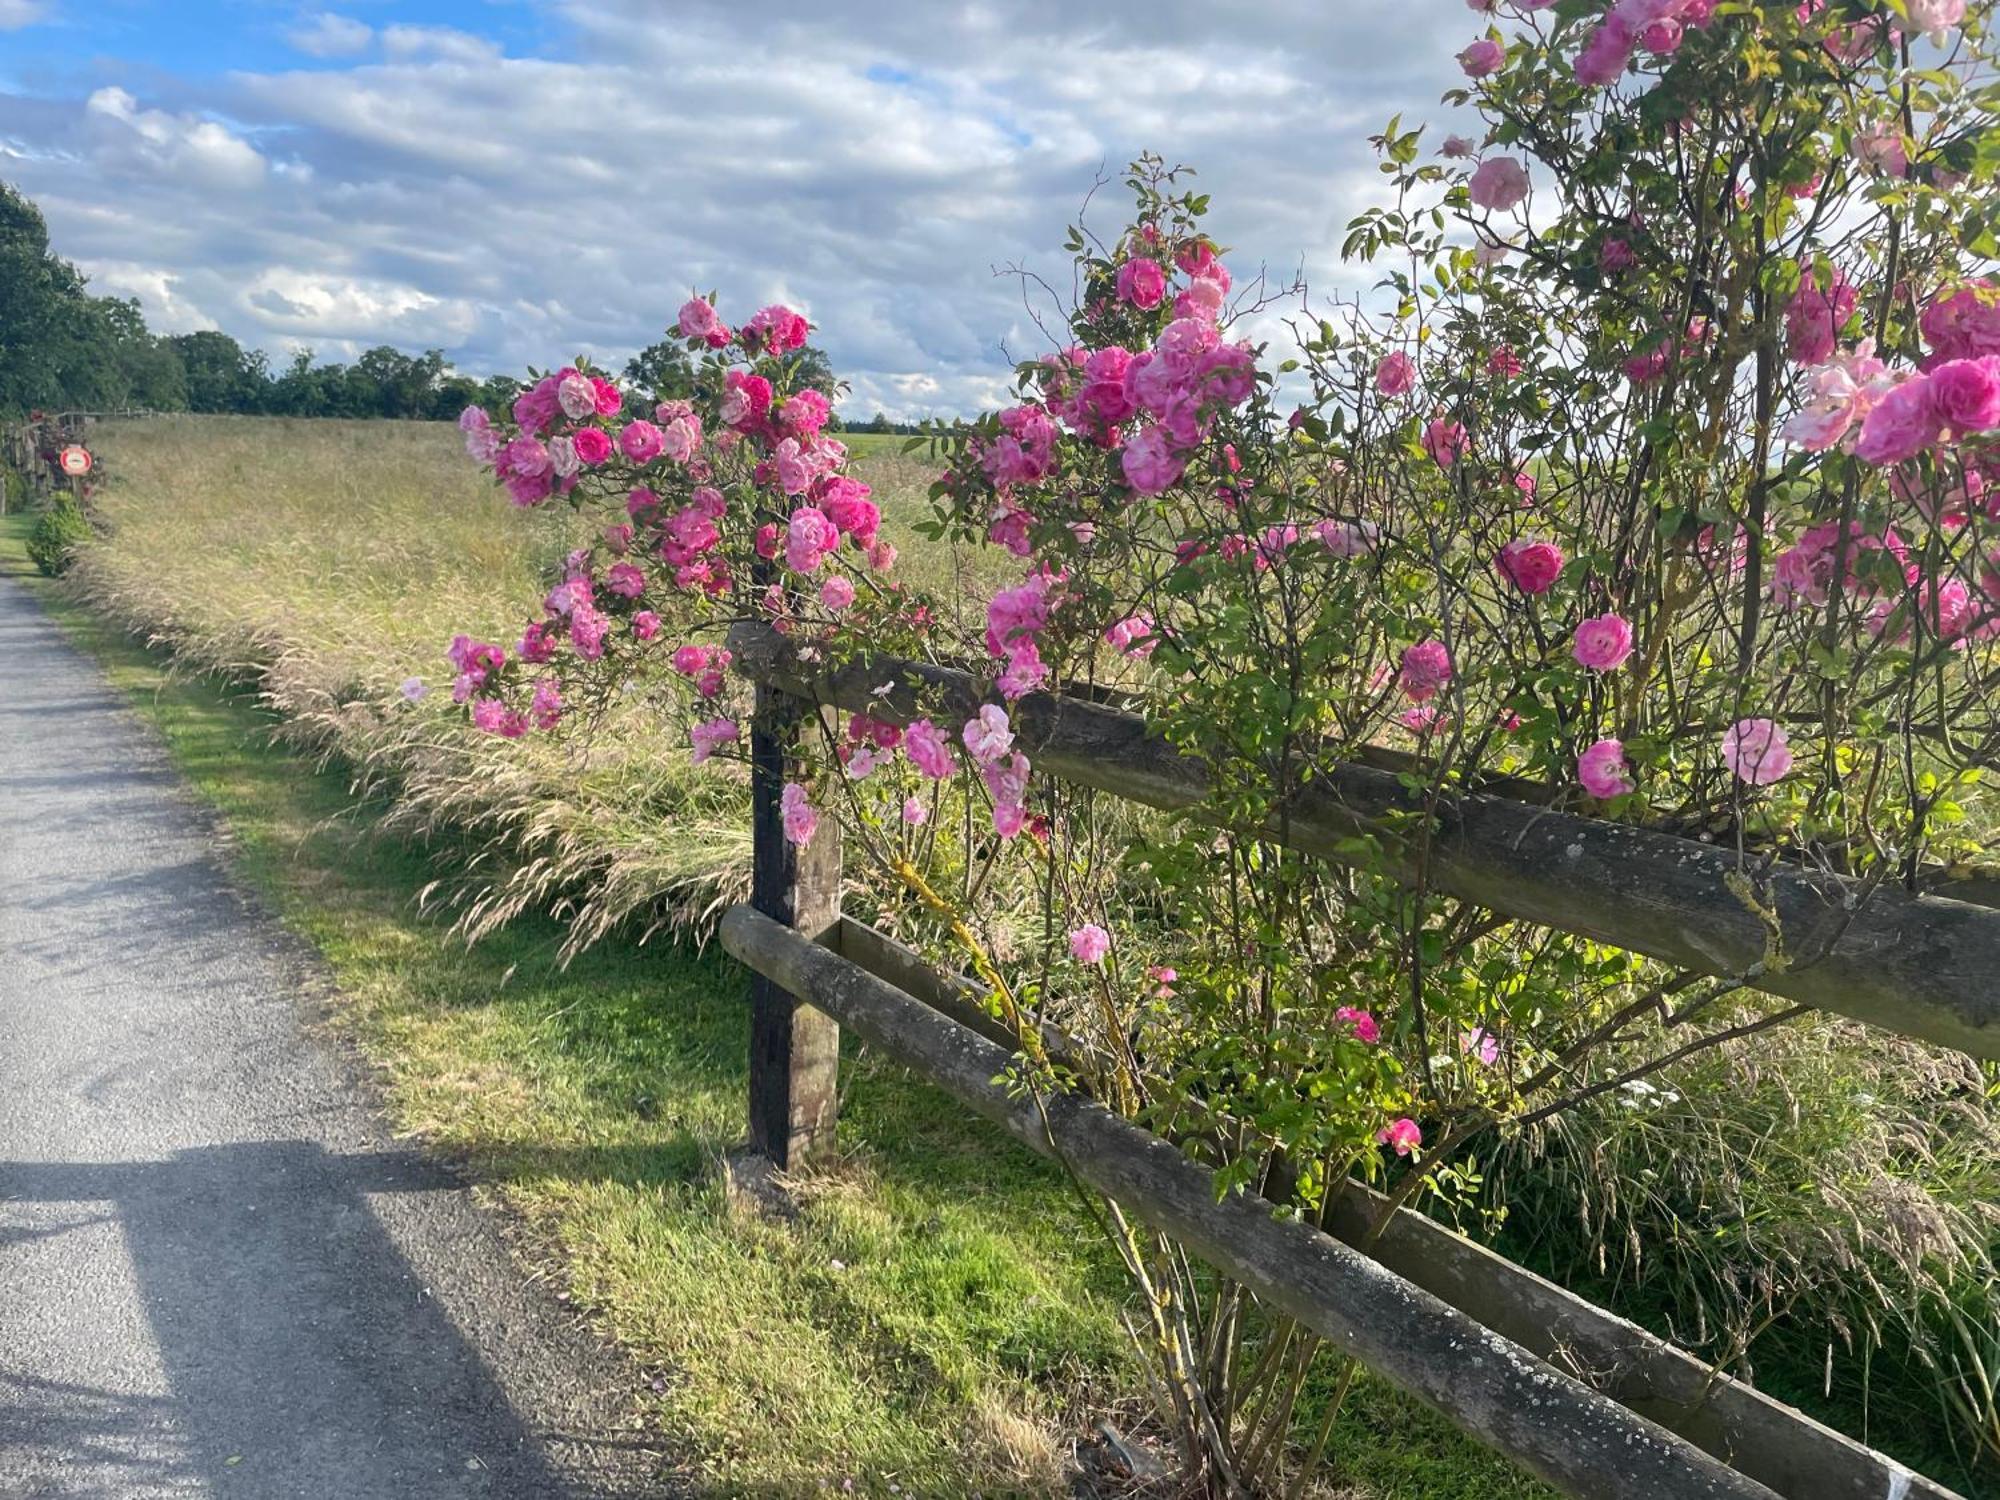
x: 1589, y: 1402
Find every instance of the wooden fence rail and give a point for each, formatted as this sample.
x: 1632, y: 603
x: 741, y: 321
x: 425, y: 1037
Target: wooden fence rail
x: 1586, y: 1400
x: 1924, y: 965
x: 1774, y: 1444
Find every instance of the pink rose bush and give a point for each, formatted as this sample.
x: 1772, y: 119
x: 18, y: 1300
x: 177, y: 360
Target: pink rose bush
x: 1674, y: 457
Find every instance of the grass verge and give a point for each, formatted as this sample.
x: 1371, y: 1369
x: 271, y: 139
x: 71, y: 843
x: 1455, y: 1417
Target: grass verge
x: 937, y: 1319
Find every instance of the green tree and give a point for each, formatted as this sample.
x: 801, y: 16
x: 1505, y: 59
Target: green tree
x: 222, y: 376
x: 42, y: 308
x: 663, y: 370
x: 142, y: 369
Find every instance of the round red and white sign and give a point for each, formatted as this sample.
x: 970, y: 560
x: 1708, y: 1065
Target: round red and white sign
x: 75, y: 460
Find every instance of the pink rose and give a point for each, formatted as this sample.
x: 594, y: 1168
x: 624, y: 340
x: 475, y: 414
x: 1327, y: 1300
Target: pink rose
x: 1902, y: 424
x: 1756, y: 752
x: 1142, y: 283
x: 987, y: 736
x: 641, y: 441
x: 1366, y: 1027
x: 1602, y: 643
x: 577, y: 397
x: 1936, y: 17
x: 1482, y: 57
x: 776, y: 330
x: 1606, y: 52
x: 1396, y: 375
x: 837, y: 593
x: 1531, y: 566
x: 1089, y: 944
x: 1426, y: 668
x: 698, y: 320
x: 1603, y: 771
x: 927, y: 749
x: 592, y: 446
x: 710, y: 736
x: 1814, y: 316
x: 1963, y: 323
x: 1150, y: 464
x: 809, y: 537
x: 801, y: 818
x: 1444, y: 441
x: 1965, y: 393
x: 1881, y: 147
x: 1402, y: 1136
x: 1499, y: 183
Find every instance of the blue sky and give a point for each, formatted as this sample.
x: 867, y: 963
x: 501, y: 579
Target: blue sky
x: 517, y: 181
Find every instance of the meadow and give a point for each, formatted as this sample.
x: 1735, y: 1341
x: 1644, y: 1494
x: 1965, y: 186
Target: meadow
x: 938, y: 1317
x: 939, y: 1303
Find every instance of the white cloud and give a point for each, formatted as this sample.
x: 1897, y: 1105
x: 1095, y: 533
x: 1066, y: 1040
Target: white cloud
x: 873, y: 165
x: 14, y: 14
x: 199, y: 152
x: 329, y: 35
x: 444, y: 43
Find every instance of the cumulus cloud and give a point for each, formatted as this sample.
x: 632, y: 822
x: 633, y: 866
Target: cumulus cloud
x: 879, y: 167
x: 198, y: 152
x: 329, y: 35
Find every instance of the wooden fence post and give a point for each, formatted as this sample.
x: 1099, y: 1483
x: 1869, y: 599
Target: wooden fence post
x: 794, y: 1049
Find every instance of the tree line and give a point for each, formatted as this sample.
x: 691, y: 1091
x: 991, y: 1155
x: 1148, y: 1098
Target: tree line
x: 62, y: 348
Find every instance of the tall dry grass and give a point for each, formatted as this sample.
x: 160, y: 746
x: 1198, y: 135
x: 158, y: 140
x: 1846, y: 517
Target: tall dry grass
x: 324, y: 563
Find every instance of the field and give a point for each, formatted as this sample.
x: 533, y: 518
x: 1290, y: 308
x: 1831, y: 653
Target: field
x: 938, y: 1318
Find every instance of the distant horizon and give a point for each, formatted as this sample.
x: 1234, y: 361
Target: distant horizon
x: 514, y: 182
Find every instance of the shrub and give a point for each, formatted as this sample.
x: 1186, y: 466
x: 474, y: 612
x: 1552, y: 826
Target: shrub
x: 60, y: 530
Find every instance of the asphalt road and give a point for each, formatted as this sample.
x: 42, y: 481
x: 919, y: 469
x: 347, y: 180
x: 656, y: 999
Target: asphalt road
x: 218, y: 1274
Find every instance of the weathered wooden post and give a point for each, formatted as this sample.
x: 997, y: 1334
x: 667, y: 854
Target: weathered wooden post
x: 794, y: 1049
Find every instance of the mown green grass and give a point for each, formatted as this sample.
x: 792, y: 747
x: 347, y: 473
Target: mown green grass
x: 939, y: 1317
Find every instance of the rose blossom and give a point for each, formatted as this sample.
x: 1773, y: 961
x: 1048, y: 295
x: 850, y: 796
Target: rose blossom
x: 1366, y: 1027
x: 1901, y: 425
x: 711, y: 735
x: 576, y: 396
x: 1499, y: 183
x: 1965, y: 393
x: 1602, y: 642
x: 1426, y: 668
x: 1755, y: 751
x: 987, y: 736
x: 1396, y: 375
x: 1444, y: 441
x: 1531, y: 566
x: 1089, y: 944
x: 800, y: 816
x: 1142, y: 283
x: 698, y: 320
x: 927, y: 748
x: 1603, y: 771
x: 1482, y: 57
x: 1403, y: 1136
x: 837, y: 593
x: 640, y: 441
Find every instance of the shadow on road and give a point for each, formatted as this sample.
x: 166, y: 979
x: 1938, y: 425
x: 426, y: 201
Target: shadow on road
x: 302, y: 1356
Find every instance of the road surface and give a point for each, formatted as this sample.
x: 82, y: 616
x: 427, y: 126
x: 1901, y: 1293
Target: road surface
x: 219, y: 1277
